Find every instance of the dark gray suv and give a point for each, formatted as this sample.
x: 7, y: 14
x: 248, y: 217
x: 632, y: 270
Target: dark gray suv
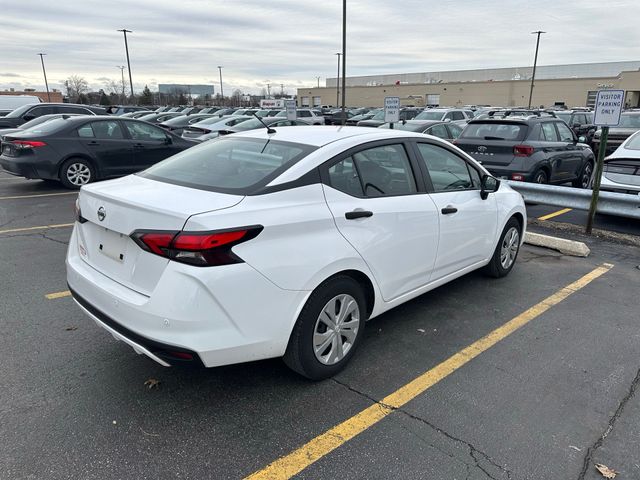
x: 529, y: 149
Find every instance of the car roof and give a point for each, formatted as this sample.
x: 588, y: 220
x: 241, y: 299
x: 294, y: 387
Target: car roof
x: 319, y: 135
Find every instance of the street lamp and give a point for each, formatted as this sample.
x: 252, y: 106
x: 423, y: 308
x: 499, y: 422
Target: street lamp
x: 344, y: 59
x: 221, y: 90
x: 318, y: 78
x: 122, y: 67
x: 535, y: 62
x: 126, y: 47
x: 44, y: 72
x: 338, y: 82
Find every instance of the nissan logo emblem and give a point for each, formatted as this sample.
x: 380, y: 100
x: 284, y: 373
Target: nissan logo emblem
x: 101, y: 213
x: 482, y: 148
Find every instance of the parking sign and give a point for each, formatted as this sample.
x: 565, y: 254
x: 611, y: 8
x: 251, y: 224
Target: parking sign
x: 608, y: 108
x: 391, y: 109
x: 290, y: 105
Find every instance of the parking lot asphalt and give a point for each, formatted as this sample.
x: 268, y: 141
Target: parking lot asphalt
x: 535, y: 404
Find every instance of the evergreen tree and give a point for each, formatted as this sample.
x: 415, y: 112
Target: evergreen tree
x: 104, y: 100
x: 147, y: 97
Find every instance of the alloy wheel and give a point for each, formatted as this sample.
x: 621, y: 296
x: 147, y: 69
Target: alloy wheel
x: 78, y: 174
x: 336, y: 329
x: 586, y: 175
x: 509, y: 249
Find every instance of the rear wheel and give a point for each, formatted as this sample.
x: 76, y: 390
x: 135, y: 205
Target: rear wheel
x: 541, y: 177
x: 76, y: 172
x: 328, y: 329
x: 584, y: 179
x: 506, y: 252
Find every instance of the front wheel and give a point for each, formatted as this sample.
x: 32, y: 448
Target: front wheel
x: 506, y: 252
x: 328, y: 329
x: 584, y: 179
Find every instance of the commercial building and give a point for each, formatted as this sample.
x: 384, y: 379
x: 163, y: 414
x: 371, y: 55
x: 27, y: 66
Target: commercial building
x: 570, y: 85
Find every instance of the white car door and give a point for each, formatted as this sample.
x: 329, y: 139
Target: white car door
x: 467, y: 222
x: 385, y: 214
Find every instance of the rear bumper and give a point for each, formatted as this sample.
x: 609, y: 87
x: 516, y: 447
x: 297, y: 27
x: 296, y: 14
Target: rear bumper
x: 623, y: 187
x: 26, y: 167
x: 220, y: 315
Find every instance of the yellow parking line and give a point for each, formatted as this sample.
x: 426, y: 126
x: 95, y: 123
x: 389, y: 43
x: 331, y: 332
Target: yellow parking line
x: 53, y: 296
x: 41, y: 227
x: 293, y: 463
x: 554, y: 214
x: 13, y: 197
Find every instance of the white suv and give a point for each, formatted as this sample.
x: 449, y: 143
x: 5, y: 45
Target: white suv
x: 305, y: 115
x: 456, y: 115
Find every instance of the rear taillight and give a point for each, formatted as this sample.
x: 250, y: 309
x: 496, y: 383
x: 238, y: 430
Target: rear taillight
x: 78, y: 213
x: 28, y: 143
x: 523, y: 150
x: 518, y: 177
x: 202, y: 249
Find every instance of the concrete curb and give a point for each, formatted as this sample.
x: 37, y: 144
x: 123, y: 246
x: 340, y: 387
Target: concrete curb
x: 564, y: 246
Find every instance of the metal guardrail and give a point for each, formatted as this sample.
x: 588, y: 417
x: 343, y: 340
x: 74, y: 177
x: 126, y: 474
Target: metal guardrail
x: 609, y: 203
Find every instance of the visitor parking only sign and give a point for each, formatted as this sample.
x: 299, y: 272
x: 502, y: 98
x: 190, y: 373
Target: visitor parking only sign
x: 608, y: 108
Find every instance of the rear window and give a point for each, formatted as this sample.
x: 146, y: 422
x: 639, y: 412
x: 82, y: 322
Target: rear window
x: 50, y: 126
x: 430, y: 115
x: 627, y: 121
x: 229, y: 165
x: 495, y: 131
x: 633, y: 143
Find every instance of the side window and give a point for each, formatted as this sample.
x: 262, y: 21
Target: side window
x: 548, y: 133
x: 304, y: 113
x: 439, y: 131
x: 448, y: 116
x: 69, y: 109
x: 580, y: 119
x: 39, y: 111
x: 448, y: 172
x: 106, y: 130
x: 455, y: 130
x: 457, y: 115
x: 343, y: 176
x: 566, y: 135
x: 86, y: 131
x: 385, y: 171
x: 143, y: 131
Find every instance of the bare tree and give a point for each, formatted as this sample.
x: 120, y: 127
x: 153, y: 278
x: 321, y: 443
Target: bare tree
x: 115, y: 87
x: 76, y: 86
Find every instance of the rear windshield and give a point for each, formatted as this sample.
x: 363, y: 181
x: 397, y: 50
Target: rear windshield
x: 228, y: 164
x: 430, y: 115
x: 627, y: 121
x: 50, y: 126
x: 495, y: 131
x: 633, y: 143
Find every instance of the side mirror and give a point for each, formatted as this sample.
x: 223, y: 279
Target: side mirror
x: 582, y: 139
x: 168, y: 140
x: 489, y: 185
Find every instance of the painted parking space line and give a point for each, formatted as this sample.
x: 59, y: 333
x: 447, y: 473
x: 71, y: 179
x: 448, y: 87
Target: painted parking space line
x: 35, y: 195
x: 31, y: 229
x: 301, y: 458
x: 555, y: 214
x: 53, y: 296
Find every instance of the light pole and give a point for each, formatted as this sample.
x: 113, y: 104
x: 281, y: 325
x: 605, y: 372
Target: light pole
x: 126, y: 48
x: 338, y: 82
x: 268, y: 90
x: 318, y: 78
x: 122, y: 67
x: 221, y: 90
x: 344, y: 59
x: 44, y: 72
x: 535, y: 62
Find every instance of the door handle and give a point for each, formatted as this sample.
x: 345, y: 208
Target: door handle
x: 358, y: 214
x: 138, y: 146
x: 93, y: 144
x: 448, y: 210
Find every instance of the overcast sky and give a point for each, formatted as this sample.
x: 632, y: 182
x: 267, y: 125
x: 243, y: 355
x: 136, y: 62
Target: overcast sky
x: 291, y: 42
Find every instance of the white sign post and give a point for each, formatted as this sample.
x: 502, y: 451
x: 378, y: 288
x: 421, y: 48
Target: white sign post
x: 290, y: 105
x: 391, y: 110
x: 609, y: 105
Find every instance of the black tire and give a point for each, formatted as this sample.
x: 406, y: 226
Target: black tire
x: 495, y: 267
x: 300, y: 355
x: 80, y: 170
x: 584, y: 179
x: 540, y: 176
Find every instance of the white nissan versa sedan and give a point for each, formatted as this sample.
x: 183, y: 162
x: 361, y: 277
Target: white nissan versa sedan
x: 283, y: 243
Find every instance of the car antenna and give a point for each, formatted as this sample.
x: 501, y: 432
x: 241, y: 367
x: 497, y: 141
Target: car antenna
x: 269, y: 129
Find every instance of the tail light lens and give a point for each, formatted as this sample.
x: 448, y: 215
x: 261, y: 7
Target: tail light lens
x: 518, y: 177
x: 523, y: 150
x: 24, y: 144
x: 202, y: 249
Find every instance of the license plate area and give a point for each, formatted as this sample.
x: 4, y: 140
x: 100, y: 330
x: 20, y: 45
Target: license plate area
x: 113, y: 245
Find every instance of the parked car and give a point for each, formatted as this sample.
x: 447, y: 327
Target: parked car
x: 79, y: 150
x: 446, y: 130
x: 211, y: 126
x: 8, y: 103
x: 622, y: 168
x: 245, y: 111
x: 32, y: 123
x: 159, y: 117
x: 209, y: 110
x: 137, y: 114
x: 250, y: 124
x: 446, y: 114
x: 353, y: 121
x: 536, y: 149
x: 178, y: 124
x: 305, y: 115
x: 629, y: 124
x: 406, y: 113
x: 121, y: 109
x: 28, y: 112
x: 284, y: 244
x: 579, y: 121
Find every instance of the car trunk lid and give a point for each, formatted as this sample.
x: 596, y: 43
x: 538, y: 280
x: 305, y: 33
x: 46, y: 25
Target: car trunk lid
x: 113, y: 210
